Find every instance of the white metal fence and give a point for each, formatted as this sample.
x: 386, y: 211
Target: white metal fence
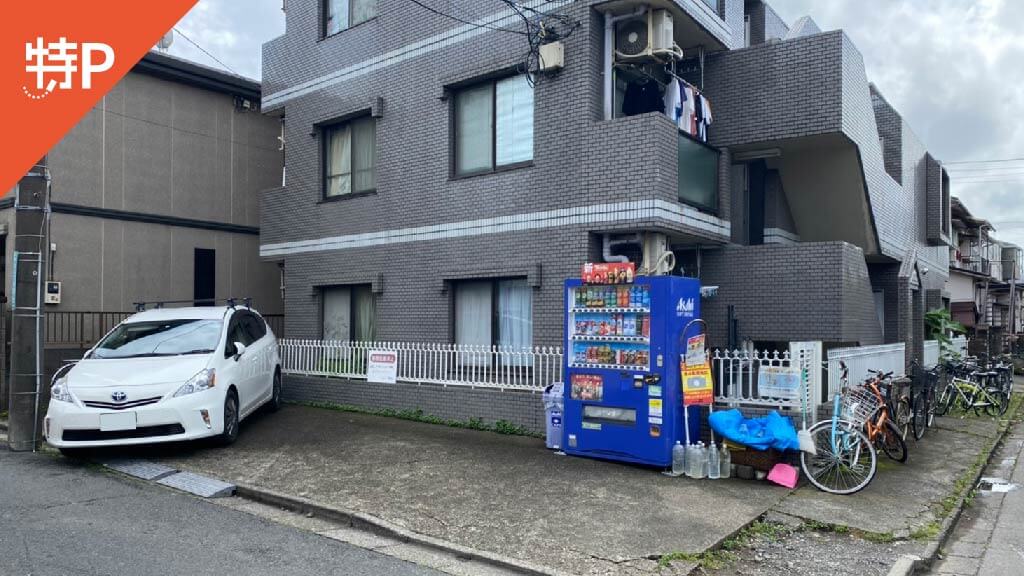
x: 860, y: 360
x: 423, y: 363
x: 959, y: 345
x: 750, y: 378
x: 931, y: 353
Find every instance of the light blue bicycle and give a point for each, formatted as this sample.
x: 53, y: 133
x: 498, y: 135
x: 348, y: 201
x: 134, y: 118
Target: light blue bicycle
x: 846, y: 460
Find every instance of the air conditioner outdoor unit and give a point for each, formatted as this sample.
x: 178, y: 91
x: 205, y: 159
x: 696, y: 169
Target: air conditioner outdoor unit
x: 646, y: 37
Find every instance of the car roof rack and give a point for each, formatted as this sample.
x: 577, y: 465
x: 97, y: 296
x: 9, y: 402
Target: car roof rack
x: 229, y: 302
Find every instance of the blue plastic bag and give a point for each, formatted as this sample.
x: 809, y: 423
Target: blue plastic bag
x: 771, y: 431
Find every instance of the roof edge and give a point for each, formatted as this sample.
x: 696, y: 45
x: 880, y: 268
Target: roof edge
x: 181, y: 70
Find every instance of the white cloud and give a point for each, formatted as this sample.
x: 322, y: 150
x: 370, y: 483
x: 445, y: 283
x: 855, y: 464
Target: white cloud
x: 953, y: 70
x: 233, y: 31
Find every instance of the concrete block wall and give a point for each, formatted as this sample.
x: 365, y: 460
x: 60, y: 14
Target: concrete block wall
x: 806, y: 291
x: 523, y: 409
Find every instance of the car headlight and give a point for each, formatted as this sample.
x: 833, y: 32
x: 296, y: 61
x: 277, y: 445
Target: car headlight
x: 60, y: 391
x: 202, y: 381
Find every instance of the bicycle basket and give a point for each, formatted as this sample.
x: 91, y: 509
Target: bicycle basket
x: 859, y: 405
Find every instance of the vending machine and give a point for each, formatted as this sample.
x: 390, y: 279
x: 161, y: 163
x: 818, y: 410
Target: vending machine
x: 622, y: 366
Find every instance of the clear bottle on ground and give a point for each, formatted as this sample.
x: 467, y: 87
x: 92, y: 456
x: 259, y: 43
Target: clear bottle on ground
x: 702, y: 461
x: 714, y: 462
x: 678, y: 459
x: 725, y: 462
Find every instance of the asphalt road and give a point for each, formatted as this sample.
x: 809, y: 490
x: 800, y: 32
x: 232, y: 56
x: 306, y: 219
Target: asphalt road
x: 61, y: 518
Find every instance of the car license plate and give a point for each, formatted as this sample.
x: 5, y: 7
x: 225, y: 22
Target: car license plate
x: 119, y: 421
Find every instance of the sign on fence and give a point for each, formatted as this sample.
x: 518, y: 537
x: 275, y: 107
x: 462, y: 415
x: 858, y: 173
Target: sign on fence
x: 382, y: 367
x: 779, y: 382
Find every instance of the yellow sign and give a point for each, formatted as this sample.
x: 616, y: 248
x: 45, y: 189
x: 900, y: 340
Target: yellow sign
x: 698, y: 387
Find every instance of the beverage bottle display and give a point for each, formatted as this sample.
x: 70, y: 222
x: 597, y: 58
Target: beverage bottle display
x: 714, y: 463
x: 725, y: 464
x: 678, y: 459
x: 646, y: 294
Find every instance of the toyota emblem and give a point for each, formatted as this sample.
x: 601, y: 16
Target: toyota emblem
x: 119, y: 396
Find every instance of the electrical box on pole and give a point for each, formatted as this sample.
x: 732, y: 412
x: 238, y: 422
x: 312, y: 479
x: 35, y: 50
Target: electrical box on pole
x: 28, y: 268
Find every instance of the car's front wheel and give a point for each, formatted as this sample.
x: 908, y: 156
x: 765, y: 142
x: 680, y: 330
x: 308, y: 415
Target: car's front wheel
x: 230, y: 433
x: 275, y: 397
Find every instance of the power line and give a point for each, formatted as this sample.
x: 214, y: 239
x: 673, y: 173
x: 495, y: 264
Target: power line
x: 457, y: 19
x: 986, y: 161
x: 989, y: 169
x: 203, y: 50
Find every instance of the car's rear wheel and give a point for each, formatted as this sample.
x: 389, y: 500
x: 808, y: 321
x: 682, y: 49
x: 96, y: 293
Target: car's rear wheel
x: 275, y: 397
x: 230, y: 433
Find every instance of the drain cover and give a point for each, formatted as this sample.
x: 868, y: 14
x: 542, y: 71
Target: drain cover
x: 141, y: 469
x: 997, y: 485
x: 198, y: 485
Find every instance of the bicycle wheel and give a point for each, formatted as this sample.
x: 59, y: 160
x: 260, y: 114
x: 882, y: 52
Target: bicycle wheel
x: 920, y: 420
x: 845, y: 470
x: 930, y: 401
x: 996, y: 402
x: 944, y: 400
x: 890, y: 441
x: 902, y: 414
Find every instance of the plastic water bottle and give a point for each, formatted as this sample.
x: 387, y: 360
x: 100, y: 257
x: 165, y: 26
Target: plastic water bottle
x: 691, y: 461
x: 725, y: 462
x: 714, y: 463
x: 678, y: 459
x: 702, y: 461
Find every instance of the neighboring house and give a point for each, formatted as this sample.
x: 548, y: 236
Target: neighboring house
x: 155, y: 194
x: 434, y: 195
x: 974, y: 268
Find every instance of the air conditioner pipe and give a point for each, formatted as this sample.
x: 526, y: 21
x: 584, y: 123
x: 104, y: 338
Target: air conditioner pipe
x: 608, y: 244
x: 609, y: 49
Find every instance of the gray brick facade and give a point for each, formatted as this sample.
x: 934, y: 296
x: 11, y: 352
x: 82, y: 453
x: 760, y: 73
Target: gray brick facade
x: 422, y: 228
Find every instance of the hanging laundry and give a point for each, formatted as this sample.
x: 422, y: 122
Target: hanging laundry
x: 673, y: 101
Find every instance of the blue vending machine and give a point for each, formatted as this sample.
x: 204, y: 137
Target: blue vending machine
x: 623, y: 344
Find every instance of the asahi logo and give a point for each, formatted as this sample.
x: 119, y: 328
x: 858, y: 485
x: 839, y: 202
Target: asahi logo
x: 685, y: 308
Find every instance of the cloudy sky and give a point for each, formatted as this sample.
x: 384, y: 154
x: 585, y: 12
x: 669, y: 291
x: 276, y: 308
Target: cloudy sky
x: 954, y: 68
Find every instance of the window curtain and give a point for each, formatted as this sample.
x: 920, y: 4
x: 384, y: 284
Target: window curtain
x: 363, y: 10
x: 337, y: 16
x: 515, y: 317
x: 364, y: 327
x: 364, y: 155
x: 473, y: 319
x: 514, y: 127
x: 474, y: 117
x: 339, y: 161
x: 337, y: 304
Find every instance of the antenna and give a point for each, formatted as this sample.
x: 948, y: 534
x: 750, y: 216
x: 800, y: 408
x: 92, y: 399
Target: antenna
x: 166, y: 41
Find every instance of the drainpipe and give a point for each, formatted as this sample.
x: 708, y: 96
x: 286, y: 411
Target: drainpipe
x: 609, y: 49
x: 607, y: 245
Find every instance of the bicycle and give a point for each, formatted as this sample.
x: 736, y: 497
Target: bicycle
x: 880, y: 428
x: 900, y: 408
x: 845, y: 460
x: 922, y: 398
x: 965, y: 395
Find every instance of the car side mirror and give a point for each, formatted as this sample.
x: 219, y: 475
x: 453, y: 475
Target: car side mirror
x: 239, y: 350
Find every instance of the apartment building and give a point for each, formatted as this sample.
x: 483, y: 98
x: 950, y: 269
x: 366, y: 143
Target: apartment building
x: 155, y: 193
x: 435, y: 194
x: 984, y: 281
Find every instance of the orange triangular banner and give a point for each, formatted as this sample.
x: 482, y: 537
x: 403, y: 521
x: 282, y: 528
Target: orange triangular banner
x: 58, y: 58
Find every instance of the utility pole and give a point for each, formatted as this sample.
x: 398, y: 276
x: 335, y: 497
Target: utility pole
x: 31, y: 234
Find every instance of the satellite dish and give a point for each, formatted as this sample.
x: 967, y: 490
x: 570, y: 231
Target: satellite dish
x: 166, y: 41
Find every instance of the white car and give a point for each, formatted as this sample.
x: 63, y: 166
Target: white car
x: 167, y: 375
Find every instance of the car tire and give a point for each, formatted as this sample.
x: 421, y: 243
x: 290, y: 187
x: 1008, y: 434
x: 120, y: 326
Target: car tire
x: 275, y: 402
x: 231, y: 420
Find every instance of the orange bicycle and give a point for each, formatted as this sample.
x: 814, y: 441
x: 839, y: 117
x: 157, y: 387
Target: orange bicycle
x: 880, y: 428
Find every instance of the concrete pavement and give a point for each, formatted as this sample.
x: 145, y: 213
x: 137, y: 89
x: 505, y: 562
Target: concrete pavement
x: 989, y: 538
x: 61, y: 518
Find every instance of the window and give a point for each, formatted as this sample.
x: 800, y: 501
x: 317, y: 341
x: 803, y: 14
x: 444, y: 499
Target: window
x: 494, y: 313
x: 254, y: 326
x: 350, y: 157
x: 237, y: 332
x: 349, y: 313
x: 342, y: 14
x: 493, y: 125
x: 698, y: 174
x: 164, y: 338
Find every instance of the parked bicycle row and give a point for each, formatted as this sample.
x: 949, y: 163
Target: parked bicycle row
x: 880, y: 414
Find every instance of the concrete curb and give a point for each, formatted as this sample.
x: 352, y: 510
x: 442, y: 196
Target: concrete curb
x: 369, y: 523
x: 907, y: 565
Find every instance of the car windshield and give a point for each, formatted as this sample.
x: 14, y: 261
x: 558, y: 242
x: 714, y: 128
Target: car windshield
x: 164, y: 338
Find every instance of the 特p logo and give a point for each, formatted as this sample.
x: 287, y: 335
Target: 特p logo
x: 55, y: 64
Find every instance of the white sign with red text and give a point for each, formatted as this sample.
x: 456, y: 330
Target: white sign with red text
x: 382, y: 366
